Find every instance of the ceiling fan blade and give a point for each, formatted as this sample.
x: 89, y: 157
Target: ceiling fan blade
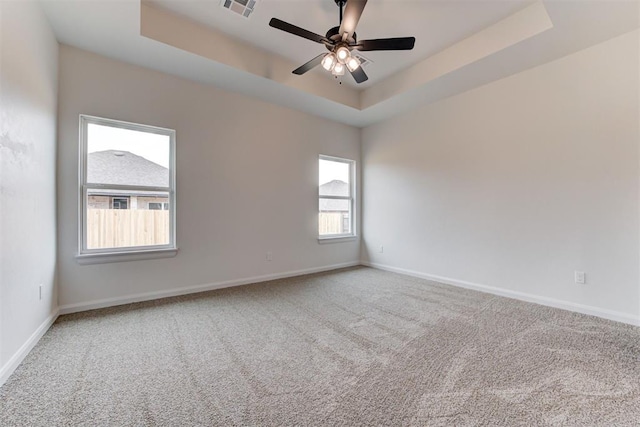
x: 398, y: 43
x: 309, y: 65
x: 359, y: 75
x: 351, y: 16
x: 300, y: 32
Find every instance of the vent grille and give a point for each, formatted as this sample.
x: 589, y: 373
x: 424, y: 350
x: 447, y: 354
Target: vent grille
x: 364, y: 62
x: 241, y: 7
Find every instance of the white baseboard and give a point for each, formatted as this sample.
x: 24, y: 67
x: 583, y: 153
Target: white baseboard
x: 18, y: 357
x: 522, y: 296
x: 110, y: 302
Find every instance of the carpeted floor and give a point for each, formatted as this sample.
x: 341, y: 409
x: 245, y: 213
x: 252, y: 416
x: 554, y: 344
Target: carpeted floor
x: 352, y: 347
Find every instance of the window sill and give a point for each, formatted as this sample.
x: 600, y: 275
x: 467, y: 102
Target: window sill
x: 107, y: 257
x: 337, y: 239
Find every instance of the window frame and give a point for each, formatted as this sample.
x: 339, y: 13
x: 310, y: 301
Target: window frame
x: 129, y: 252
x: 351, y: 198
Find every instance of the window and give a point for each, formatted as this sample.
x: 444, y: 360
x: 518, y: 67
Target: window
x: 155, y: 206
x: 336, y: 197
x: 127, y: 188
x: 119, y: 203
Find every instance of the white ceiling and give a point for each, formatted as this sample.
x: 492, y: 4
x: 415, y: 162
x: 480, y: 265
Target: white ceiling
x: 112, y: 28
x: 435, y: 25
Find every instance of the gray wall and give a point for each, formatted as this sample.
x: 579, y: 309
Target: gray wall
x: 247, y: 176
x: 28, y: 90
x: 517, y: 184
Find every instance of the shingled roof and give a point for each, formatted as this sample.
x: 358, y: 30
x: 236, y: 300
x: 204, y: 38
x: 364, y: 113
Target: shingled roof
x: 125, y: 168
x: 334, y: 188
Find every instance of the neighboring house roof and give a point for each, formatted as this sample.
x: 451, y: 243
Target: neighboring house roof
x: 125, y: 168
x: 334, y: 188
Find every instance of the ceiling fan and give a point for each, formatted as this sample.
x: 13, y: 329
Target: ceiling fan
x: 341, y: 40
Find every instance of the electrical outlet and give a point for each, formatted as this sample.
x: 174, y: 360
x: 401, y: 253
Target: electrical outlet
x: 269, y: 256
x: 580, y: 277
x: 40, y: 292
x: 381, y: 249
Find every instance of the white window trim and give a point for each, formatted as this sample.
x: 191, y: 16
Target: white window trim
x: 347, y: 237
x: 108, y: 257
x: 91, y: 256
x: 338, y: 238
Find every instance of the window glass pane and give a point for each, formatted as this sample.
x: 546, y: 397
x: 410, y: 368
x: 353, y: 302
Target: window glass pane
x: 127, y: 157
x: 334, y: 178
x: 334, y: 217
x: 125, y: 218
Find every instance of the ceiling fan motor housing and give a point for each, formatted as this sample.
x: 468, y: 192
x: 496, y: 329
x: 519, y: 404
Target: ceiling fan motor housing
x: 334, y: 35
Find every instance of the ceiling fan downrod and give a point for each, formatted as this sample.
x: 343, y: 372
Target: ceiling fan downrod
x: 341, y: 4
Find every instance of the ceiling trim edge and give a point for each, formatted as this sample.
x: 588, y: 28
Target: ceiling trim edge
x: 188, y: 35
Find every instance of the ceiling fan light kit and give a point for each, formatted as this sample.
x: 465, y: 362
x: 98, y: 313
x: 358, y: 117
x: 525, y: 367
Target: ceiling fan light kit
x: 341, y: 40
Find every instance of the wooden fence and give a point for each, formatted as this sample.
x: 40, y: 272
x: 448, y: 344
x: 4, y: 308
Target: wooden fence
x: 113, y: 228
x: 330, y: 223
x: 116, y: 228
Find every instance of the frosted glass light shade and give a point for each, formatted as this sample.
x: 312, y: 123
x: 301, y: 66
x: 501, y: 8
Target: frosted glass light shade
x: 329, y: 61
x: 353, y: 63
x: 343, y: 54
x: 339, y: 69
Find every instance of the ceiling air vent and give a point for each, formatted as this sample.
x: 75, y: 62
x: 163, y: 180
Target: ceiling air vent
x: 241, y: 7
x: 364, y: 62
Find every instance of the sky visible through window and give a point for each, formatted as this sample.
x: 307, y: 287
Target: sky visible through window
x: 151, y: 146
x: 155, y: 148
x: 330, y: 170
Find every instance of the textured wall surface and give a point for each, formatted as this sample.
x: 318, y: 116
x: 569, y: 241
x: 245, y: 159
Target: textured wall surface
x: 247, y: 177
x: 28, y: 102
x: 519, y: 183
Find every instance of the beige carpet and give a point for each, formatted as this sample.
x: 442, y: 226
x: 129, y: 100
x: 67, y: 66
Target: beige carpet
x: 353, y: 347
